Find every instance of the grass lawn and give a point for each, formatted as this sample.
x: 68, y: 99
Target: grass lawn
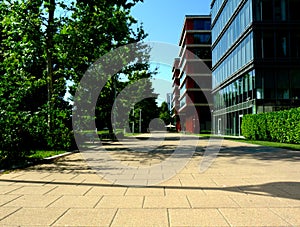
x: 295, y: 147
x: 44, y: 154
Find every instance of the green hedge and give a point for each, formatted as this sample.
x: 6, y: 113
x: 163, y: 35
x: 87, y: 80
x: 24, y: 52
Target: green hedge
x: 281, y: 126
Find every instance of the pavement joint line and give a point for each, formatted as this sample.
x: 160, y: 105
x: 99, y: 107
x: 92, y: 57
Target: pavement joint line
x: 232, y: 199
x: 98, y: 202
x: 59, y: 217
x: 114, y: 216
x: 280, y: 216
x: 187, y: 198
x: 54, y: 201
x: 143, y: 203
x: 11, y: 213
x: 168, y: 215
x: 46, y: 176
x: 88, y: 190
x: 13, y: 190
x: 226, y: 220
x: 74, y: 176
x: 127, y: 188
x: 50, y: 190
x: 11, y: 200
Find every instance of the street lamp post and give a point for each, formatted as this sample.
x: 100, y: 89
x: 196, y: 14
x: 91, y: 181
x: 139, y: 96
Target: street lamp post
x: 140, y: 120
x: 133, y: 121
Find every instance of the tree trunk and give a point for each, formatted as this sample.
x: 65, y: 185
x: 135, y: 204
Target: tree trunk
x: 49, y: 49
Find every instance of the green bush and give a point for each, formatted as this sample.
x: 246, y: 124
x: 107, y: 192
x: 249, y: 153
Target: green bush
x: 281, y: 126
x: 22, y: 132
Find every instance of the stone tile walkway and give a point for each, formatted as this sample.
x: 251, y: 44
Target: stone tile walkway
x: 247, y: 185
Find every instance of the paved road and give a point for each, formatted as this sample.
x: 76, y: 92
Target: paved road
x: 247, y: 185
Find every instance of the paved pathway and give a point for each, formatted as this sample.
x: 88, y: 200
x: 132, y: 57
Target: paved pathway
x: 247, y: 185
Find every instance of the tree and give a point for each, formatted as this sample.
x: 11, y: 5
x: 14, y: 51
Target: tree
x: 44, y: 44
x: 164, y: 113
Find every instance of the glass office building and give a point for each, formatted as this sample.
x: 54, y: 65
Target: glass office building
x: 255, y: 59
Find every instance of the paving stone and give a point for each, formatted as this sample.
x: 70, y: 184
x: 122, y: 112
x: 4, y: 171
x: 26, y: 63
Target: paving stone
x: 290, y: 215
x: 211, y: 201
x: 184, y: 192
x: 226, y: 191
x: 6, y: 211
x: 32, y: 190
x: 290, y: 202
x: 33, y: 217
x: 257, y: 201
x: 172, y: 182
x: 229, y: 182
x: 121, y: 202
x: 60, y: 176
x: 166, y: 202
x: 145, y: 191
x: 252, y: 217
x: 76, y: 201
x: 32, y: 175
x: 11, y: 175
x: 3, y: 182
x: 7, y: 198
x: 86, y: 217
x: 8, y: 188
x: 141, y: 217
x: 32, y: 201
x: 196, y: 217
x: 70, y: 190
x: 106, y: 190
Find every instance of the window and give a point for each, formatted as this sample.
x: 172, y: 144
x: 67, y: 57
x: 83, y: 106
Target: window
x: 295, y: 76
x: 281, y: 44
x: 268, y: 45
x: 201, y: 24
x: 283, y: 85
x: 259, y: 86
x: 295, y: 44
x: 269, y: 83
x: 294, y: 9
x: 202, y: 38
x: 202, y: 53
x: 267, y: 10
x: 280, y: 10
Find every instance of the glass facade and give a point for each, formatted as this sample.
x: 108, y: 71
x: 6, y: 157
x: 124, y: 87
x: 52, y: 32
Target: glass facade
x: 239, y: 91
x: 238, y: 26
x: 255, y: 58
x: 278, y: 44
x: 224, y: 18
x: 240, y: 56
x: 277, y: 10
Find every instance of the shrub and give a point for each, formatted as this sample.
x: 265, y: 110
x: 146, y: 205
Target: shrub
x: 281, y: 126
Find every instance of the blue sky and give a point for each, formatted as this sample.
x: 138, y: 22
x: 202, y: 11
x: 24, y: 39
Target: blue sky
x: 163, y: 19
x: 163, y: 22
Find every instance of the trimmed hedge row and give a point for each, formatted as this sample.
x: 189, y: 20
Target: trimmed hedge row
x: 281, y: 126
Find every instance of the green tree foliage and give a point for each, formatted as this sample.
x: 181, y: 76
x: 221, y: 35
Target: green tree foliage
x: 44, y: 44
x: 164, y: 113
x: 281, y: 126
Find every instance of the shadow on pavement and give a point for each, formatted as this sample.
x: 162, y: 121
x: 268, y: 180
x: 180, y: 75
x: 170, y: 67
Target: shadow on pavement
x: 290, y: 190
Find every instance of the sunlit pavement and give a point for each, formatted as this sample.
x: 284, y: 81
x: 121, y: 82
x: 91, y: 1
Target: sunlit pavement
x: 247, y: 185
